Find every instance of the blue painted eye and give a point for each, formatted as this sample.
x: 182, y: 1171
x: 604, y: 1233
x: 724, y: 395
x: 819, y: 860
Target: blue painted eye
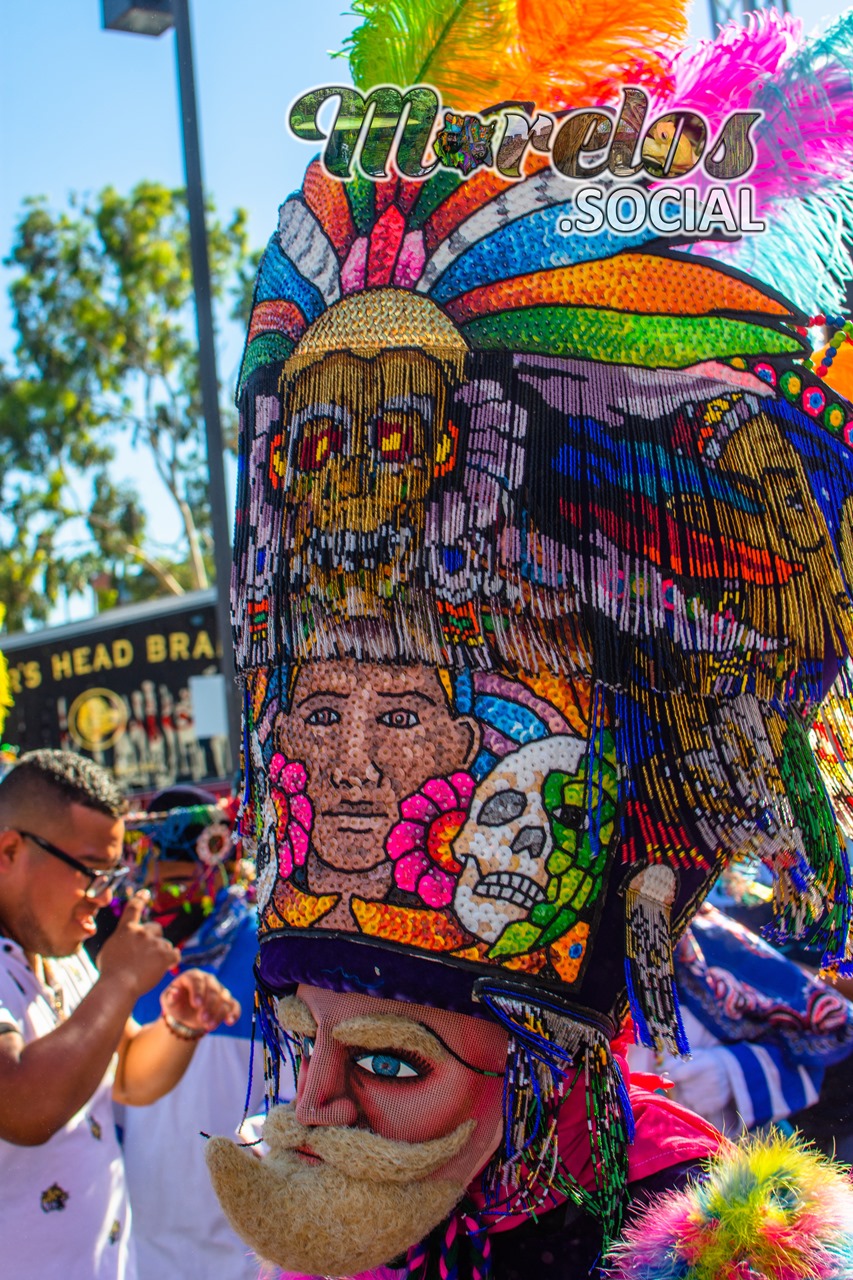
x: 386, y: 1065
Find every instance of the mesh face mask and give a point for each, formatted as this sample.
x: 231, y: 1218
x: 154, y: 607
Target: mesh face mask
x: 552, y: 1066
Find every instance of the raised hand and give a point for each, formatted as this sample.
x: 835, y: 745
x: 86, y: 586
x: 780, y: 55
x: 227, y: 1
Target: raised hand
x: 137, y: 953
x: 199, y: 1001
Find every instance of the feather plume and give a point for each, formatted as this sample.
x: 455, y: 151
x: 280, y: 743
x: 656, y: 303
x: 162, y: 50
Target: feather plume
x: 806, y: 252
x: 716, y: 77
x: 804, y: 139
x: 804, y: 90
x: 462, y: 47
x: 803, y: 176
x: 481, y: 52
x: 767, y: 1207
x: 574, y: 54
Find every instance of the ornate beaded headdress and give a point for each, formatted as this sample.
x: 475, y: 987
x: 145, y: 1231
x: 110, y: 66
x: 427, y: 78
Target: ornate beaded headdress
x: 201, y: 834
x: 543, y: 558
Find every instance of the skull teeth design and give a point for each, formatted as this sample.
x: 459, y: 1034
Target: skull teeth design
x: 521, y: 891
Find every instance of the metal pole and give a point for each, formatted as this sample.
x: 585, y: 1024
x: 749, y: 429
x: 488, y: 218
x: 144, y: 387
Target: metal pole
x: 207, y: 364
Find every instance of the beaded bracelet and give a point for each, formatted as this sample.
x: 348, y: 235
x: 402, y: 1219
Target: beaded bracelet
x: 180, y: 1029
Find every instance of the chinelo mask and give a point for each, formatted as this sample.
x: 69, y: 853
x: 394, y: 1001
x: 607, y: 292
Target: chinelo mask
x: 541, y: 559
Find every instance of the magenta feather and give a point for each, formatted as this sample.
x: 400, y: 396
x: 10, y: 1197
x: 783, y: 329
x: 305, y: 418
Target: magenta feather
x: 716, y: 77
x: 805, y: 137
x: 804, y: 89
x: 804, y: 154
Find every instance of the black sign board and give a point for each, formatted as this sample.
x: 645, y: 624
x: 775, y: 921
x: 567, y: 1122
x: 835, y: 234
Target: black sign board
x: 126, y: 691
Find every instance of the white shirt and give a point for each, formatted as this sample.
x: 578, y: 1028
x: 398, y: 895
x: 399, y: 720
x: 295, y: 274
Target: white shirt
x: 180, y: 1230
x: 64, y: 1211
x: 713, y: 1080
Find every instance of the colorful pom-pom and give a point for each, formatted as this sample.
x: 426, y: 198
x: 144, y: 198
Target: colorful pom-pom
x: 767, y: 1207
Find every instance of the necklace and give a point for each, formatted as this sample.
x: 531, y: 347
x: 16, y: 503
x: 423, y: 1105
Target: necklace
x: 53, y: 990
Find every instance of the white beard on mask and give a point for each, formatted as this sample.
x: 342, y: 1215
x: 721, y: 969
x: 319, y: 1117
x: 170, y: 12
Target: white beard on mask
x: 366, y: 1202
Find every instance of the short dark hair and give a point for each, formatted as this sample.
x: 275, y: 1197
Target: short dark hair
x: 62, y: 774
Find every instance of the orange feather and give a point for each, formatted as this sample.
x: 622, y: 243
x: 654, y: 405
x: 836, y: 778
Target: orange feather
x: 478, y: 53
x: 577, y: 53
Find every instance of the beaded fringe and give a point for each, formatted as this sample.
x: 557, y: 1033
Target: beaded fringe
x: 552, y: 1053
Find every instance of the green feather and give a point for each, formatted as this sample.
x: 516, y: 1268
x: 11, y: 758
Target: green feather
x: 619, y: 337
x: 450, y: 44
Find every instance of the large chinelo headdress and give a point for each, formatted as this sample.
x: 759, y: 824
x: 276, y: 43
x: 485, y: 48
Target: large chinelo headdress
x: 540, y: 561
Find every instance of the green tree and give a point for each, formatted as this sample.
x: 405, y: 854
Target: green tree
x: 103, y: 310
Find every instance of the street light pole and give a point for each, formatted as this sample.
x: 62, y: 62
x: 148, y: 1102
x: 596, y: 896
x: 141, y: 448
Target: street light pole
x: 151, y: 17
x: 207, y: 362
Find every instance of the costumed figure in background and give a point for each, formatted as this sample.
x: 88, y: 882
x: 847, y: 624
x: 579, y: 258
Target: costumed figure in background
x: 538, y: 581
x: 762, y: 1032
x: 183, y: 850
x: 765, y: 1065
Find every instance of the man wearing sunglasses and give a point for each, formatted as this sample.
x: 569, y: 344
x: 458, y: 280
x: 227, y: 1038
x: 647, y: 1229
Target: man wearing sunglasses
x: 68, y: 1044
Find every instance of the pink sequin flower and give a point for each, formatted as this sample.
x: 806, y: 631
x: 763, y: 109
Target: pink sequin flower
x: 421, y: 845
x: 295, y: 813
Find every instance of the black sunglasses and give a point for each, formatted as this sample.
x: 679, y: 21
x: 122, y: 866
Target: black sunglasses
x: 98, y: 880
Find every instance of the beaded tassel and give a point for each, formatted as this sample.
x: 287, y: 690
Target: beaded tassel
x: 824, y: 915
x: 650, y: 973
x: 279, y: 1047
x: 550, y: 1055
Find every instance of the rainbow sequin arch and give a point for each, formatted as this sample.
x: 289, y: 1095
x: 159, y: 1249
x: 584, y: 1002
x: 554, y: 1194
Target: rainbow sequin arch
x: 543, y: 566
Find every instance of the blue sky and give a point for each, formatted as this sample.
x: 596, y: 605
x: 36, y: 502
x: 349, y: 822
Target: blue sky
x: 81, y: 108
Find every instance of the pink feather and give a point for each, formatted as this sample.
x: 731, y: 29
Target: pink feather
x: 804, y: 89
x: 716, y: 77
x: 805, y: 137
